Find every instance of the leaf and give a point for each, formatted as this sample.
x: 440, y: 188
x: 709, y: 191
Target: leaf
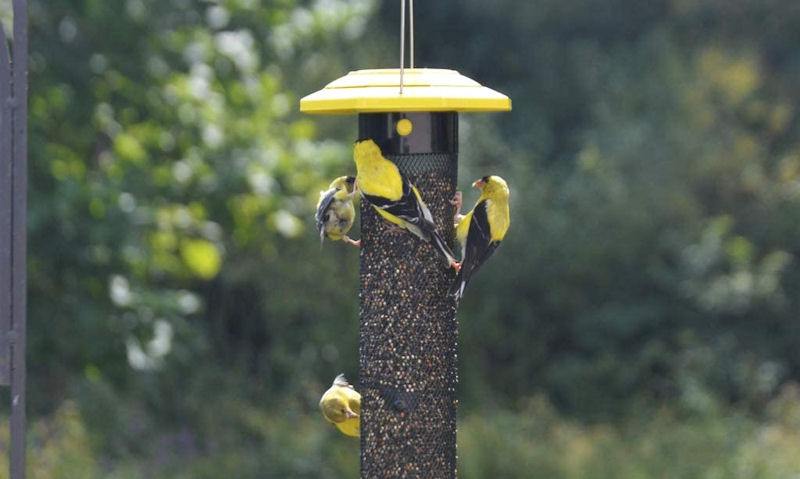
x: 201, y: 257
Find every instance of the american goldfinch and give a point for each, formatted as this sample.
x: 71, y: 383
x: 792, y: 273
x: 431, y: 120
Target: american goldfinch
x: 481, y: 230
x: 341, y: 405
x: 335, y: 211
x: 394, y: 197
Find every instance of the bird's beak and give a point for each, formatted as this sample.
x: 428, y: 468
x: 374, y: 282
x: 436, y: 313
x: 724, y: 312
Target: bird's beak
x: 355, y: 185
x: 350, y: 414
x: 477, y: 184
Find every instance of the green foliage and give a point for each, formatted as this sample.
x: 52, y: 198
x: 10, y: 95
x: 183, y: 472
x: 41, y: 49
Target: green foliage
x: 652, y: 155
x: 173, y: 187
x: 536, y: 443
x: 183, y: 320
x: 260, y: 447
x: 533, y: 442
x: 173, y: 168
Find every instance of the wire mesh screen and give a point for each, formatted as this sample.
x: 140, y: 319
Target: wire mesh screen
x: 408, y: 331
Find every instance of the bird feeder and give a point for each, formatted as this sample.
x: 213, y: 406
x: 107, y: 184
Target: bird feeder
x: 408, y: 330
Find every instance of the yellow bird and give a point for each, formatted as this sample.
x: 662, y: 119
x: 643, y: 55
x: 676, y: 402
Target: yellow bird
x: 335, y: 210
x: 394, y: 197
x: 341, y: 405
x: 481, y: 230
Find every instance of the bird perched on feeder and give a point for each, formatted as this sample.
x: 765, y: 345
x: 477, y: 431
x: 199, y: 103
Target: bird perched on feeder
x: 335, y: 210
x: 341, y: 405
x: 391, y: 194
x: 481, y: 230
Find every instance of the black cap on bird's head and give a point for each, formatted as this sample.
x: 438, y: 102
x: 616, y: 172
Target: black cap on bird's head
x: 350, y: 183
x: 492, y: 185
x: 481, y: 182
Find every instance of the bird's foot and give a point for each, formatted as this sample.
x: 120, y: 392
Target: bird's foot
x: 456, y: 201
x: 456, y: 265
x: 347, y: 239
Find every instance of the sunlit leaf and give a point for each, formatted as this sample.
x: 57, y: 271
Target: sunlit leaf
x: 201, y: 257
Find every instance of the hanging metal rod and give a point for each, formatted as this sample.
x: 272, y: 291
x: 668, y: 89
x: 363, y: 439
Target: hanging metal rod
x: 403, y: 37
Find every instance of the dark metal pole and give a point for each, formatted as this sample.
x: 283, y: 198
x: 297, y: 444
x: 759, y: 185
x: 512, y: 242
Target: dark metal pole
x: 408, y: 331
x: 5, y: 208
x: 19, y: 229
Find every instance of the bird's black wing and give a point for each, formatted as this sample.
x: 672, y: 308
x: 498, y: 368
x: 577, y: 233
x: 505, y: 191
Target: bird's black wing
x: 327, y: 199
x: 407, y: 207
x: 479, y: 246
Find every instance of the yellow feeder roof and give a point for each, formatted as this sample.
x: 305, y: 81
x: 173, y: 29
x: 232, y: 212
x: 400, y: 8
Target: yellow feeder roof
x: 424, y: 89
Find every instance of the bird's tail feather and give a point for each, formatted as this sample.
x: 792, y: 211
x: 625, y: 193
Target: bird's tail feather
x: 458, y: 286
x: 420, y: 233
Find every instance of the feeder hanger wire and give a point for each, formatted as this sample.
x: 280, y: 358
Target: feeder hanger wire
x: 403, y: 37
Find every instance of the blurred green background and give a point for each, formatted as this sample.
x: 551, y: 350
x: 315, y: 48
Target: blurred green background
x: 640, y: 320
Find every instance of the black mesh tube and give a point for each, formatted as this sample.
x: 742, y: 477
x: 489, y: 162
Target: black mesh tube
x: 407, y: 334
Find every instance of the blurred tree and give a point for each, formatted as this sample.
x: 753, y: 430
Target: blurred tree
x: 177, y: 290
x: 173, y: 182
x: 652, y: 151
